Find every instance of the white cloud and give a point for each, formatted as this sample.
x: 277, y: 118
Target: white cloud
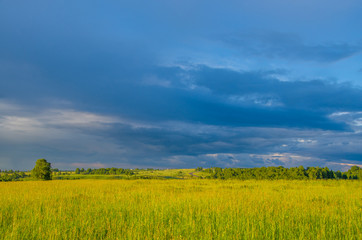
x: 218, y: 155
x: 301, y: 140
x: 288, y: 159
x: 25, y: 126
x: 337, y: 114
x: 350, y: 164
x: 256, y: 99
x: 342, y: 166
x: 22, y: 124
x: 53, y: 133
x: 76, y: 118
x: 17, y: 118
x: 357, y: 122
x: 353, y: 119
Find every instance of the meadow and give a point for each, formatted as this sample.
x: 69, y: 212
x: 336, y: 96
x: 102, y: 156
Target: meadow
x: 181, y: 209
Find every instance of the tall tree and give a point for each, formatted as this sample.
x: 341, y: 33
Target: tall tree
x: 42, y: 170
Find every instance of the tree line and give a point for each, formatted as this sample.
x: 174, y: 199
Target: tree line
x: 104, y: 171
x: 11, y: 175
x: 43, y: 171
x: 280, y: 172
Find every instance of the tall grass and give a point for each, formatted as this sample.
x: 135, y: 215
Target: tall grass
x: 181, y: 209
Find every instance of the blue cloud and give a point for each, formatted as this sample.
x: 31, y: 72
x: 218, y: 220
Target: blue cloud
x: 290, y: 47
x: 312, y: 94
x: 114, y: 63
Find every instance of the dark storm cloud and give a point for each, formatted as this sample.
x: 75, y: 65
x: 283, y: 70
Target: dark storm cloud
x: 234, y: 99
x: 226, y: 97
x: 288, y: 46
x: 201, y: 111
x: 196, y: 145
x: 312, y: 94
x: 95, y: 84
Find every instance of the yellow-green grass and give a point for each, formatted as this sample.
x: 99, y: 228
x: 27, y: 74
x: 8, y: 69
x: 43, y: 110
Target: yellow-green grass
x: 180, y: 209
x: 73, y: 176
x: 157, y: 173
x: 167, y: 173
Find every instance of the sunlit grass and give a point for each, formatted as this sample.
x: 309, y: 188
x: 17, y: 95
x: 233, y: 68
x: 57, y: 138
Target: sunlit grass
x: 166, y: 173
x: 137, y: 174
x: 181, y: 209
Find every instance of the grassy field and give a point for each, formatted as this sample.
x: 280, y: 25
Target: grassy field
x: 140, y: 173
x: 137, y: 174
x: 181, y: 209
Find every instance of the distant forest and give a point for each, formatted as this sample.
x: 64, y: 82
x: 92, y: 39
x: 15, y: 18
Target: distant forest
x: 270, y: 173
x: 282, y: 173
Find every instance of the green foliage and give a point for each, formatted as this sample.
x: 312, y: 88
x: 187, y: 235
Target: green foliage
x: 7, y: 176
x: 296, y: 173
x: 42, y: 170
x: 269, y: 173
x: 105, y: 171
x: 354, y: 173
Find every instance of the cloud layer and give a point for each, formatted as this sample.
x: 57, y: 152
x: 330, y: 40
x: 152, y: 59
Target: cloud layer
x: 172, y: 85
x: 204, y: 116
x: 290, y: 47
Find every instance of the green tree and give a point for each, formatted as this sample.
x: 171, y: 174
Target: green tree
x: 77, y: 171
x: 199, y: 169
x: 42, y: 170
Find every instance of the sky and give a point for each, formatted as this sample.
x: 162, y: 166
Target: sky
x: 180, y: 84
